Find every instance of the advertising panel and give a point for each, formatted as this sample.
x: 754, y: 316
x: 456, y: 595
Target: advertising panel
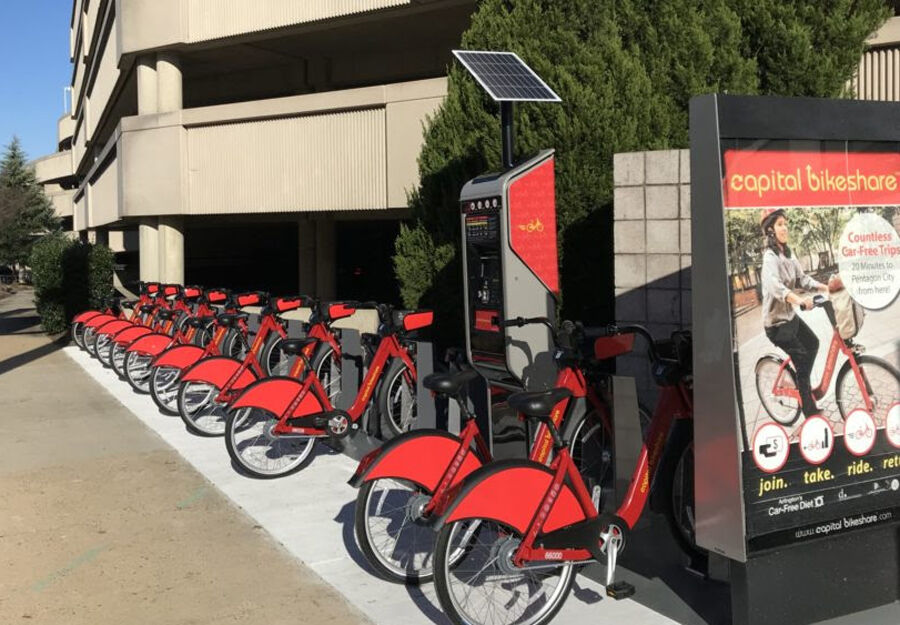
x: 813, y: 256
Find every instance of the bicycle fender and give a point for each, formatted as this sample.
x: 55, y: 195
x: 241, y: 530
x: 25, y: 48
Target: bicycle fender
x: 130, y: 334
x: 275, y: 394
x: 179, y: 356
x: 114, y: 327
x: 99, y: 320
x: 419, y: 456
x: 217, y: 371
x: 85, y: 316
x: 150, y: 344
x: 510, y: 492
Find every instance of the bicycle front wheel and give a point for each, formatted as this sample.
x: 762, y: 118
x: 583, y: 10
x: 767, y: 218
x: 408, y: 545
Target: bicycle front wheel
x: 78, y: 334
x: 484, y: 587
x: 327, y: 367
x: 89, y: 338
x: 273, y: 360
x: 880, y: 382
x: 103, y: 347
x: 257, y: 450
x: 391, y: 531
x: 397, y: 400
x: 783, y: 409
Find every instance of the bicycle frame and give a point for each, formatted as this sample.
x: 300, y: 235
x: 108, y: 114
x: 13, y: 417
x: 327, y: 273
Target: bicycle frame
x: 388, y: 348
x: 268, y: 324
x: 837, y: 346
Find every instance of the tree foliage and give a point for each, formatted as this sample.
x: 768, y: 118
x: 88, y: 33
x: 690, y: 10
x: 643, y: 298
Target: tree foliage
x: 25, y: 212
x: 625, y: 71
x: 69, y: 277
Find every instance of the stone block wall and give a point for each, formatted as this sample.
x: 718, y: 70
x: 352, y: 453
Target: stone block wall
x: 652, y: 247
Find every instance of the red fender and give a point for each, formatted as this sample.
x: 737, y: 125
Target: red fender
x: 99, y: 320
x: 217, y: 371
x: 420, y: 456
x: 126, y: 336
x: 179, y: 356
x: 85, y: 316
x: 114, y: 327
x: 509, y: 492
x: 275, y: 394
x: 151, y: 344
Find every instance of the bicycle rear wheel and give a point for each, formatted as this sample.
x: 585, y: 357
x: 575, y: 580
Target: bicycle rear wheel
x: 137, y: 371
x: 198, y: 408
x: 164, y: 383
x: 881, y: 382
x: 257, y: 451
x: 782, y: 408
x: 483, y: 587
x: 391, y: 531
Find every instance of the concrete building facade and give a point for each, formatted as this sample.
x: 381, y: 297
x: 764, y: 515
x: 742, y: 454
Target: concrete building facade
x: 263, y: 144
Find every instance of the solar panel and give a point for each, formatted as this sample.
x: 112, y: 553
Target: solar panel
x: 505, y: 76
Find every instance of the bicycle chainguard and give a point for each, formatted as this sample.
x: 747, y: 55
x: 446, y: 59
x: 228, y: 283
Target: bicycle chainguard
x: 337, y: 423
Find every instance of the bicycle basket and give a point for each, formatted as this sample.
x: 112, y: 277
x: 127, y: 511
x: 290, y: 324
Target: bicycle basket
x: 848, y: 313
x: 340, y: 310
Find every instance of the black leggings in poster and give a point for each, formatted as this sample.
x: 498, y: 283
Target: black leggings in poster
x: 800, y: 343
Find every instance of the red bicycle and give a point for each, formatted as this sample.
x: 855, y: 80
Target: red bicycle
x: 148, y: 314
x: 863, y: 381
x: 272, y: 426
x: 114, y: 309
x: 207, y: 387
x: 186, y: 304
x: 513, y: 532
x: 402, y: 482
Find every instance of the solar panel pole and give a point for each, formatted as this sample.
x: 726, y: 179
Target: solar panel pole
x: 508, y: 133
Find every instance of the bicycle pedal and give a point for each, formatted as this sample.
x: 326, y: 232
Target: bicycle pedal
x: 620, y: 590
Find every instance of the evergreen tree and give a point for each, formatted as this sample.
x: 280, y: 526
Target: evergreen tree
x: 25, y: 211
x: 625, y: 71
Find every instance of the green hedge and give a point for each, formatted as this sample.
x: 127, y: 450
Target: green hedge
x: 69, y: 277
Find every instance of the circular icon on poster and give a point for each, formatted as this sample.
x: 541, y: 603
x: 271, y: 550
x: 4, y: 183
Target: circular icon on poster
x: 770, y: 447
x: 859, y: 432
x: 892, y: 425
x: 868, y: 260
x: 816, y: 440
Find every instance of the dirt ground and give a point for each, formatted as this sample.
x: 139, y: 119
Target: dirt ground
x: 101, y: 522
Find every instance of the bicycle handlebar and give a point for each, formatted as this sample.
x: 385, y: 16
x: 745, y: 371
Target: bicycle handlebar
x: 613, y: 329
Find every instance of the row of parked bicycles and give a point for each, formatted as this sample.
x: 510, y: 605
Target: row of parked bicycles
x: 501, y: 539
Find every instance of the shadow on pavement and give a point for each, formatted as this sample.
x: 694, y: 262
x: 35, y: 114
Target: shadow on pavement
x: 31, y: 355
x: 15, y: 311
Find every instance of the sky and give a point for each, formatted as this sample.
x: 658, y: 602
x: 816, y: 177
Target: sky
x: 34, y: 70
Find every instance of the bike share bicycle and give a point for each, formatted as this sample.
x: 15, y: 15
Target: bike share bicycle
x: 513, y: 532
x: 149, y: 316
x: 403, y: 482
x: 187, y: 304
x: 207, y: 387
x: 863, y: 381
x: 115, y: 308
x: 272, y: 426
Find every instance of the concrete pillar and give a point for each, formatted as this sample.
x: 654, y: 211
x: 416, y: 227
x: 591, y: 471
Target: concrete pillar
x: 91, y: 236
x: 306, y: 257
x: 171, y: 249
x: 148, y: 249
x: 168, y: 83
x: 102, y: 237
x: 146, y: 85
x: 325, y: 265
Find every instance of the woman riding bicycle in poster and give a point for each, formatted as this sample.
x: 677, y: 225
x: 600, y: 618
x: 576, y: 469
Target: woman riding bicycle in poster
x: 781, y: 275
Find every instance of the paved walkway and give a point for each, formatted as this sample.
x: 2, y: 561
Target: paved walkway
x: 102, y: 522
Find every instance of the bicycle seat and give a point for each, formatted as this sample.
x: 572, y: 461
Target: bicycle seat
x: 231, y: 319
x: 538, y: 404
x: 199, y: 322
x: 292, y: 347
x: 148, y: 308
x: 166, y: 314
x: 449, y: 383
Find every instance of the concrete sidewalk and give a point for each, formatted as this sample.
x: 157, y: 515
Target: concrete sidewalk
x: 103, y: 522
